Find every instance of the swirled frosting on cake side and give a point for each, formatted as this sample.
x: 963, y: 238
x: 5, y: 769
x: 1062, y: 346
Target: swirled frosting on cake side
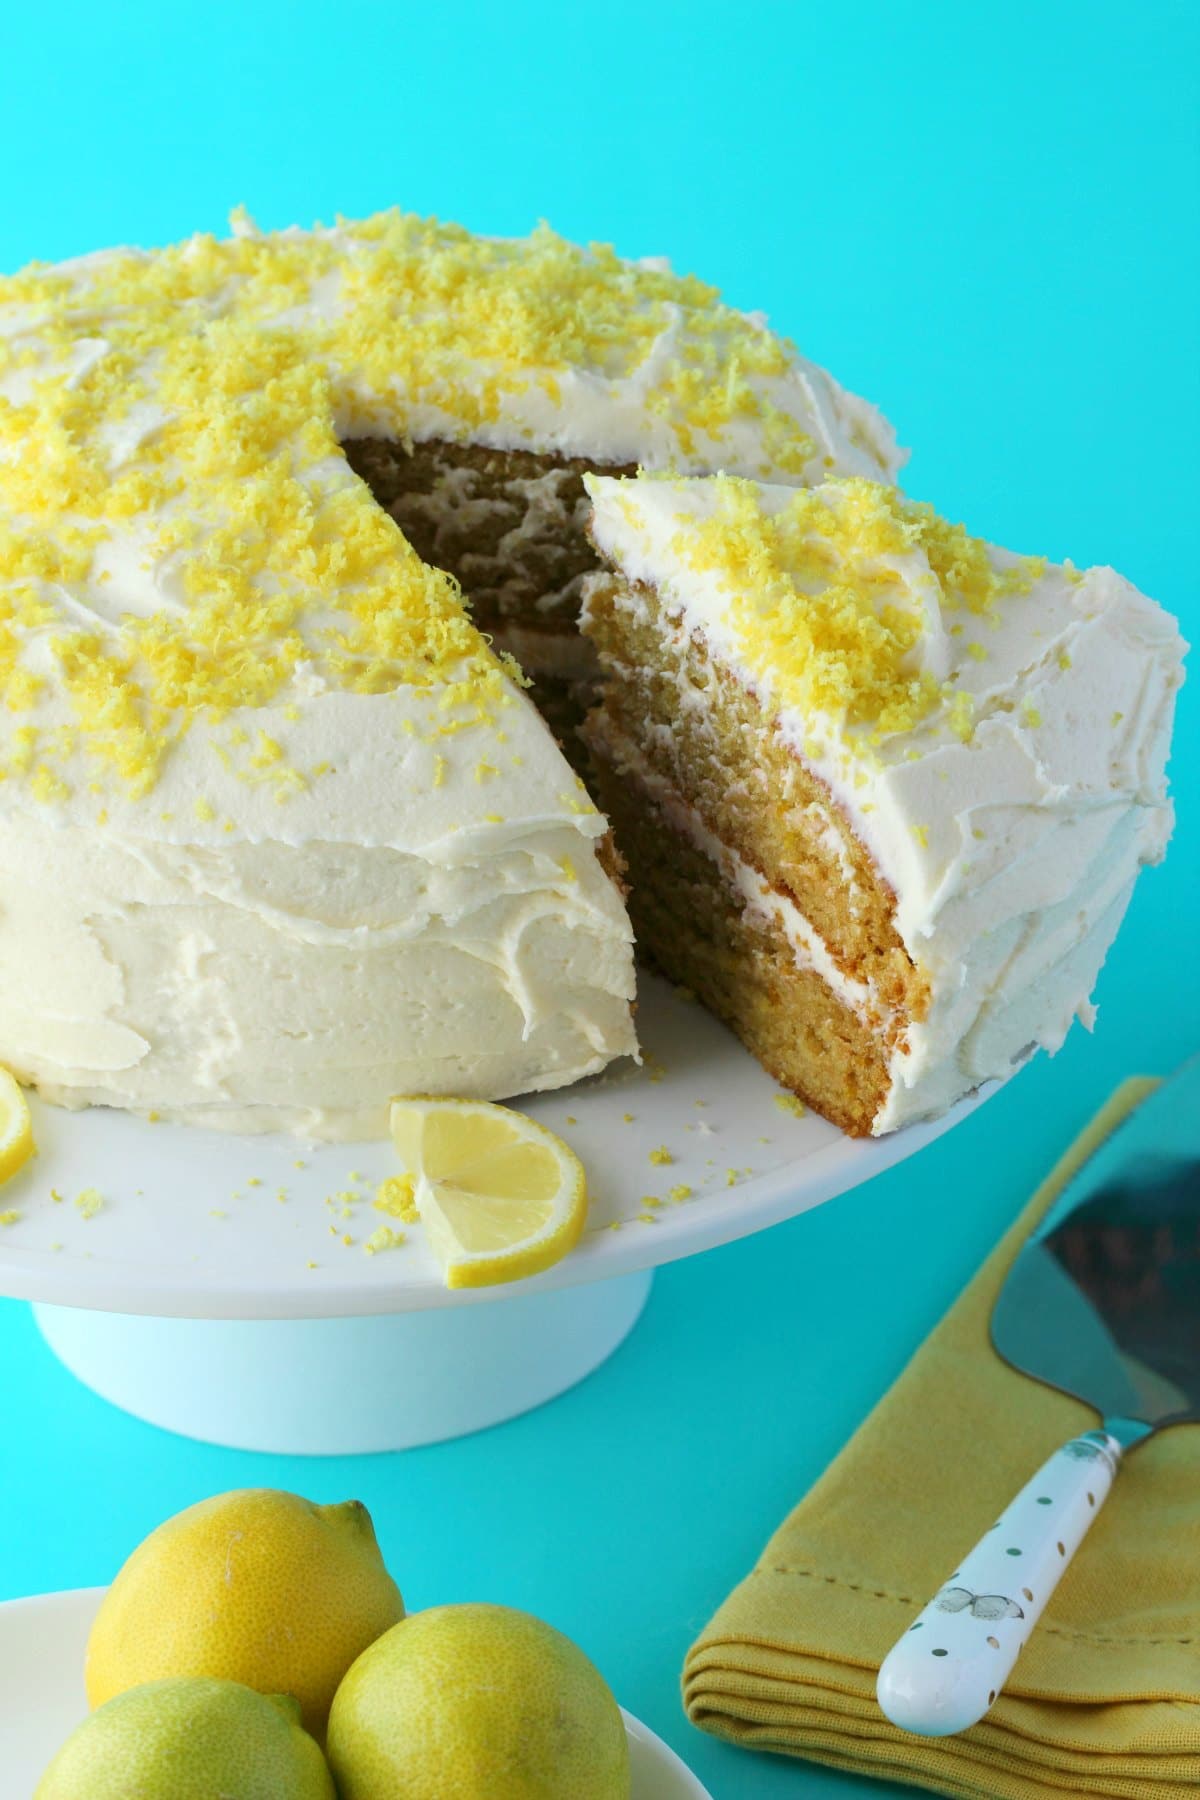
x: 426, y: 914
x: 994, y: 729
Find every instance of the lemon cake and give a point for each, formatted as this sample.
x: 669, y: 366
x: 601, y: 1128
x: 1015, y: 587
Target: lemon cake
x: 281, y: 833
x: 883, y: 788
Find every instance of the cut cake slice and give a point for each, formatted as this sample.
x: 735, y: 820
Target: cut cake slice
x: 883, y: 788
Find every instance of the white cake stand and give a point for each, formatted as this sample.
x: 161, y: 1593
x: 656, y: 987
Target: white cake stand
x: 219, y: 1286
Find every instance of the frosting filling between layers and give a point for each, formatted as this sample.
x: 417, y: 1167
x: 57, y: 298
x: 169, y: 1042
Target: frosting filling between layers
x: 761, y: 900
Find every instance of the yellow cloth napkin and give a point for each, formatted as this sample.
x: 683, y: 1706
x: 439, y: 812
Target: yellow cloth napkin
x: 1105, y: 1699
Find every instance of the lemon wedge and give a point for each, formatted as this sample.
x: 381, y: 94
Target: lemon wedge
x: 499, y: 1196
x: 16, y: 1127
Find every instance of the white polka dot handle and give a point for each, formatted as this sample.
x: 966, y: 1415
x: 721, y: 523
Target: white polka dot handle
x: 948, y: 1668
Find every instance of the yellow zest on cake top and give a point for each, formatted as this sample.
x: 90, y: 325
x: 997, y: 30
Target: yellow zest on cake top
x: 825, y: 603
x: 179, y: 529
x: 183, y: 461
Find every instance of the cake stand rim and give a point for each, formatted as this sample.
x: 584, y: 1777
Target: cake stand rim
x: 710, y: 1222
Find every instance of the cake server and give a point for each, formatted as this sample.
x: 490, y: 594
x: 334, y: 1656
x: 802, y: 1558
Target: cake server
x: 1103, y: 1302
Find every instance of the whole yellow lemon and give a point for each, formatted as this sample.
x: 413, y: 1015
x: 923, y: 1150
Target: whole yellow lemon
x: 254, y: 1586
x: 190, y: 1740
x: 476, y: 1703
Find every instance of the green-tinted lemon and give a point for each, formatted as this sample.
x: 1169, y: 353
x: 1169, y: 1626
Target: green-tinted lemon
x: 476, y: 1703
x: 255, y: 1586
x: 194, y: 1739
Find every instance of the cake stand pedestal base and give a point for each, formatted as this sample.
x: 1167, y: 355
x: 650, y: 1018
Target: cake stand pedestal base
x: 344, y: 1387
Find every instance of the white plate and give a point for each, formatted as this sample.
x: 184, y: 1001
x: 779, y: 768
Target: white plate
x: 42, y: 1643
x: 191, y: 1225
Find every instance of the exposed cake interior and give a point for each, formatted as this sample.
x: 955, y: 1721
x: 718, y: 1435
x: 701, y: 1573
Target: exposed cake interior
x: 510, y: 526
x: 750, y: 887
x: 713, y: 924
x: 883, y: 788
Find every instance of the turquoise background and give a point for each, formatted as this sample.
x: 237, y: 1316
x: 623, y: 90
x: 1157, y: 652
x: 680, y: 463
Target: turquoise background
x: 983, y: 218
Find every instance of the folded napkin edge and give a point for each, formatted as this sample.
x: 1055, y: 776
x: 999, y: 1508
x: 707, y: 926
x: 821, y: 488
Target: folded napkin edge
x: 705, y: 1658
x: 907, y: 1767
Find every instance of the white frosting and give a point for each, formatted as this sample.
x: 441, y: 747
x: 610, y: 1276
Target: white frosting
x: 589, y: 414
x: 265, y: 987
x: 1012, y: 855
x: 581, y: 410
x: 292, y: 966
